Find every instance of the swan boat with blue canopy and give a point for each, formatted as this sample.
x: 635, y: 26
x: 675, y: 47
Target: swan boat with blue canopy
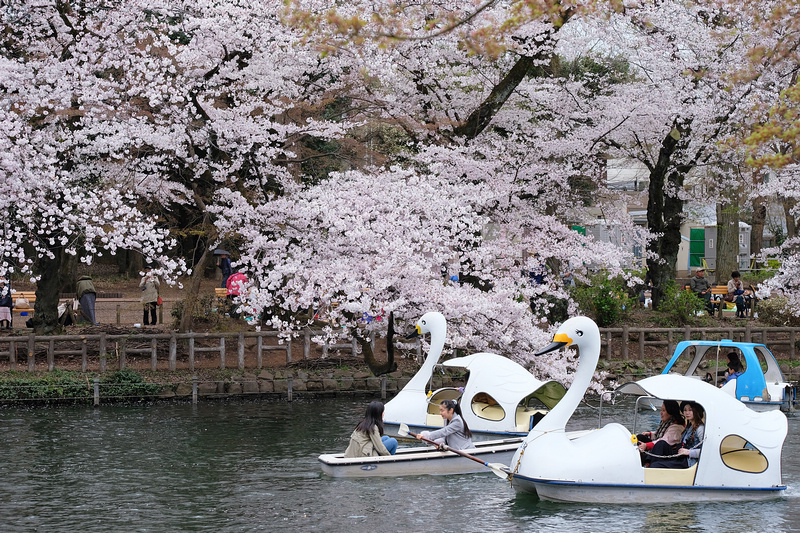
x: 761, y: 386
x: 740, y: 456
x: 500, y: 398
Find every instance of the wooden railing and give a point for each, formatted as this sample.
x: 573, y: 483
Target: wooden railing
x: 95, y: 351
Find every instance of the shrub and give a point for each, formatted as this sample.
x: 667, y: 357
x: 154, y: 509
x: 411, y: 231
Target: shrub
x: 775, y: 312
x: 553, y: 308
x: 679, y: 307
x: 605, y: 300
x: 127, y: 383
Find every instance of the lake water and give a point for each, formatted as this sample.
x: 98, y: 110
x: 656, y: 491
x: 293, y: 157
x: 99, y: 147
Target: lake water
x: 253, y: 467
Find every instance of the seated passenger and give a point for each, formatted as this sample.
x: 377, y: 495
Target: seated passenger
x: 657, y: 446
x: 455, y: 433
x: 692, y: 438
x: 734, y: 369
x: 368, y: 439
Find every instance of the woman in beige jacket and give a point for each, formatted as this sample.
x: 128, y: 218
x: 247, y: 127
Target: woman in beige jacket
x: 368, y: 439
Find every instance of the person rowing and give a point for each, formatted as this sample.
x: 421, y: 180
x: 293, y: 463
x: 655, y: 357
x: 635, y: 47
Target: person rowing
x: 455, y: 433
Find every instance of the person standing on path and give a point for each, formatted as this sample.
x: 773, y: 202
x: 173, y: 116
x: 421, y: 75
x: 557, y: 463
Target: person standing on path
x: 227, y: 269
x: 149, y: 286
x: 87, y: 296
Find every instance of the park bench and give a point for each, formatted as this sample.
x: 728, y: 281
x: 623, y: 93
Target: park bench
x: 718, y: 293
x: 25, y: 311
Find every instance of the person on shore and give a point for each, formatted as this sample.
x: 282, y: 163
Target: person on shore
x: 692, y: 438
x: 6, y: 303
x: 149, y: 286
x: 736, y: 294
x: 702, y: 288
x: 227, y: 269
x: 455, y: 433
x: 87, y: 296
x: 367, y: 439
x: 657, y: 445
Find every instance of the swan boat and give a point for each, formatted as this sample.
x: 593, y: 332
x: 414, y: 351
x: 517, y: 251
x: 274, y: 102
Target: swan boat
x: 740, y: 459
x: 500, y: 398
x: 421, y: 460
x: 762, y: 386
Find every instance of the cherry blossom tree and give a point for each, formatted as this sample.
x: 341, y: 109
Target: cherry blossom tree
x: 60, y: 191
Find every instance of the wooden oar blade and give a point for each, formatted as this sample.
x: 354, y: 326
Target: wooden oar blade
x: 403, y: 430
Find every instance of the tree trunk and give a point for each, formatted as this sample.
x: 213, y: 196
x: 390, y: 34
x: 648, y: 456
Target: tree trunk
x: 665, y: 214
x: 727, y: 241
x: 758, y: 221
x: 45, y: 315
x: 193, y: 292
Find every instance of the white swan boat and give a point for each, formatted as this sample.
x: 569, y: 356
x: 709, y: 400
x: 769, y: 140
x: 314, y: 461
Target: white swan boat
x: 422, y: 460
x: 499, y: 399
x: 740, y: 457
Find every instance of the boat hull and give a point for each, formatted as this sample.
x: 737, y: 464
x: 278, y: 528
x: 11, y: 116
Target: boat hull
x: 416, y: 461
x: 567, y: 491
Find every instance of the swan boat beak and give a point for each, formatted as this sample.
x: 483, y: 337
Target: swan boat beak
x: 414, y: 334
x: 559, y: 341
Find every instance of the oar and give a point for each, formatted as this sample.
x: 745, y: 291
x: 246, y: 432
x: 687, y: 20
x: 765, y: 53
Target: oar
x: 499, y: 469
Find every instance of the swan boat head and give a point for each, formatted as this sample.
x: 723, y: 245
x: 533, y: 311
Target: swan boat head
x: 582, y: 333
x: 410, y: 404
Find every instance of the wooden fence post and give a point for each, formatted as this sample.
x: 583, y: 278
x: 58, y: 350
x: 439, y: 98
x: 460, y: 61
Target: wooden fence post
x: 191, y: 351
x: 84, y: 356
x: 625, y: 343
x: 154, y: 354
x: 31, y: 352
x: 103, y: 352
x: 173, y: 351
x: 240, y: 351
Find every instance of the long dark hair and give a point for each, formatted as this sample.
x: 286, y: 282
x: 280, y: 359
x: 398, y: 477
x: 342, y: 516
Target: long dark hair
x: 452, y: 404
x: 373, y: 417
x: 674, y: 410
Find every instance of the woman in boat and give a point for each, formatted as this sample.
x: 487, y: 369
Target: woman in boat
x: 664, y: 442
x: 368, y: 439
x: 692, y: 438
x: 455, y: 433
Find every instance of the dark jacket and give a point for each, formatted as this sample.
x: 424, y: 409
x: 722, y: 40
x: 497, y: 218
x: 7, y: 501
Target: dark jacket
x: 84, y: 285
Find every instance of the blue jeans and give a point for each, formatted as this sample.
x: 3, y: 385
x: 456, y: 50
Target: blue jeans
x: 390, y: 443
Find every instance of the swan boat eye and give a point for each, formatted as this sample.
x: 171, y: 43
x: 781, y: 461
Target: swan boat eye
x: 579, y: 333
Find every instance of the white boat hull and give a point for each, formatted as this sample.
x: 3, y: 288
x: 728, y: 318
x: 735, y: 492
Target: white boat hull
x: 567, y: 491
x: 416, y: 461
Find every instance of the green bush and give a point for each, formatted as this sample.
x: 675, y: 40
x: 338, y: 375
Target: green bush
x: 775, y: 312
x: 679, y: 307
x: 66, y: 386
x: 56, y: 385
x: 127, y: 383
x: 605, y: 300
x: 553, y: 308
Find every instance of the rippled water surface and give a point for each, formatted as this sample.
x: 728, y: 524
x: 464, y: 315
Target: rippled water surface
x: 253, y: 466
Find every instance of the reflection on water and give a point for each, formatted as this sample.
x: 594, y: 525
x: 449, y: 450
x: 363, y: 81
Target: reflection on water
x: 252, y: 466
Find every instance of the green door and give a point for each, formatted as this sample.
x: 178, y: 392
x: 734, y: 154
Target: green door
x: 697, y: 247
